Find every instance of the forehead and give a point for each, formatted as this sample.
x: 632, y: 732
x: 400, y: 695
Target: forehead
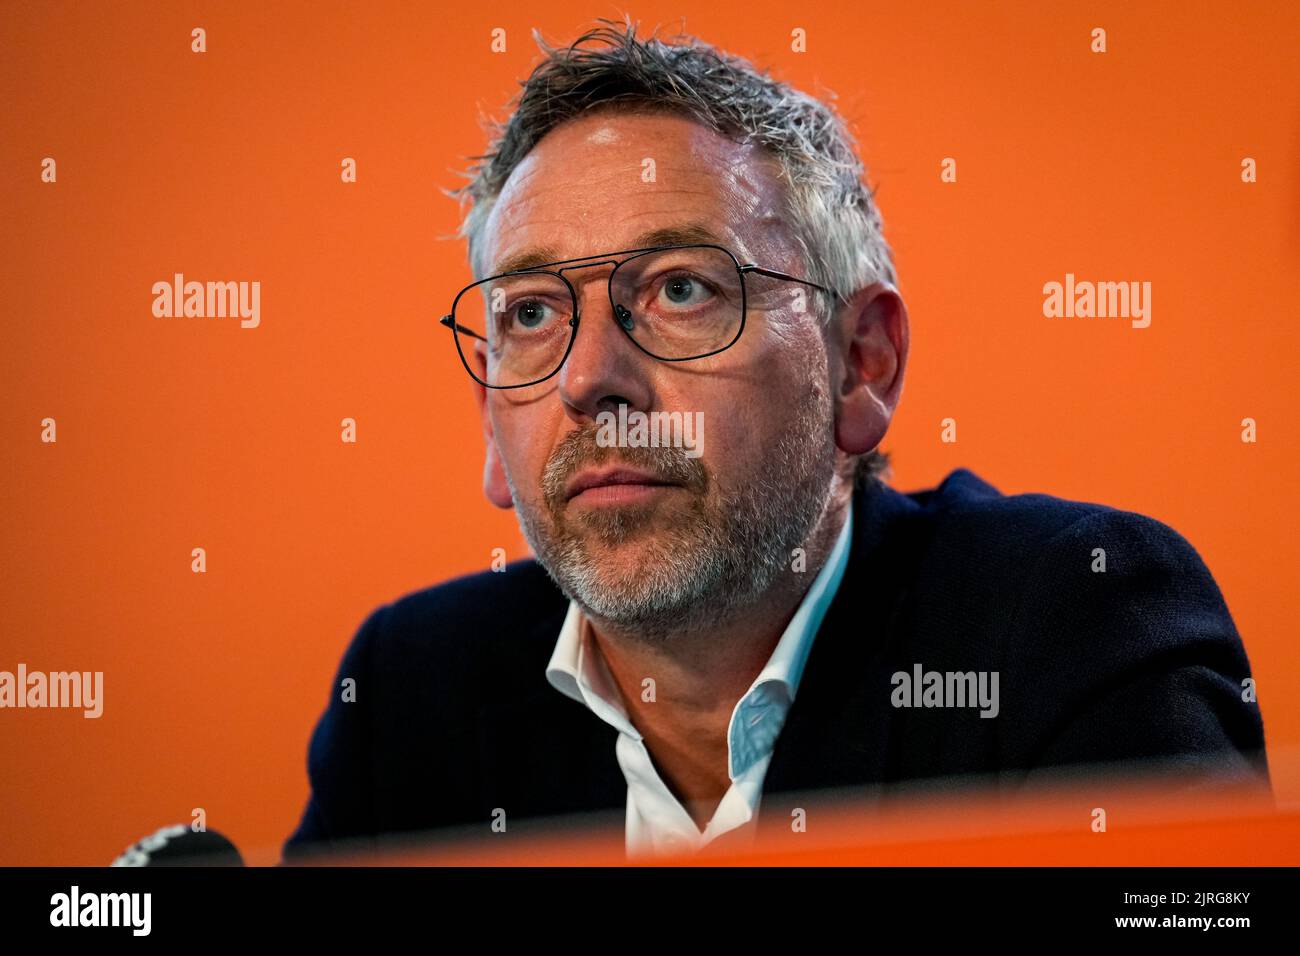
x: 609, y: 180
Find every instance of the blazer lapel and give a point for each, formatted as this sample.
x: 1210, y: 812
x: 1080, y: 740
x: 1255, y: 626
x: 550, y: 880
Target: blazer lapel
x: 837, y: 730
x: 562, y: 757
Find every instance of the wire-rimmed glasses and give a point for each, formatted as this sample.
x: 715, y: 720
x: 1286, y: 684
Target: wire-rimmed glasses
x: 675, y: 303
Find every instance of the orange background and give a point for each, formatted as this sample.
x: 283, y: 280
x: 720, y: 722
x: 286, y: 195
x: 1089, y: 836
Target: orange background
x: 182, y: 433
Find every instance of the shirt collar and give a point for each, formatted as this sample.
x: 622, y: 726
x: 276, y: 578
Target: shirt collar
x: 578, y: 670
x: 786, y: 664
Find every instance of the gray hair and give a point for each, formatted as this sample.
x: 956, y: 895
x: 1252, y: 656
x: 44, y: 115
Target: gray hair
x: 832, y: 215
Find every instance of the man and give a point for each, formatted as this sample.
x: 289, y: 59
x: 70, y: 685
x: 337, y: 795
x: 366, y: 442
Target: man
x: 743, y: 609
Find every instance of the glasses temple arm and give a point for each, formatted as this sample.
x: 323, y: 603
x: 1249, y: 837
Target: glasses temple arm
x: 771, y: 274
x: 455, y: 326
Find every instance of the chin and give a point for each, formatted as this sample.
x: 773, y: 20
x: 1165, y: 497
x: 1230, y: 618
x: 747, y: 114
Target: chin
x: 617, y: 527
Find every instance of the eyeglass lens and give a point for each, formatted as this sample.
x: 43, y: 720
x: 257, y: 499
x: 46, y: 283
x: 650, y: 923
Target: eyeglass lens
x: 675, y: 304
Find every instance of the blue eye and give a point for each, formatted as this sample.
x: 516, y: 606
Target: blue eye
x: 679, y: 290
x: 531, y: 314
x: 684, y: 290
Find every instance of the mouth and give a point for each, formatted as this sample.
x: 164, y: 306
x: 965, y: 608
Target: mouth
x: 619, y: 485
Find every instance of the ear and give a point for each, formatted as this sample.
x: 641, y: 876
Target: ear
x: 494, y: 475
x: 872, y: 330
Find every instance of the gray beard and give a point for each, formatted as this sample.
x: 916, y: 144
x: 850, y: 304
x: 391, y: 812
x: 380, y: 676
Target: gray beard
x: 715, y: 559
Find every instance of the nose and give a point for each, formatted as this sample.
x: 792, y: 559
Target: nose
x: 604, y: 368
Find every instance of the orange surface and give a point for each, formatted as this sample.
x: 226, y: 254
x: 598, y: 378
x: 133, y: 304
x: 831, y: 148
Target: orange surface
x: 1145, y: 823
x: 183, y: 433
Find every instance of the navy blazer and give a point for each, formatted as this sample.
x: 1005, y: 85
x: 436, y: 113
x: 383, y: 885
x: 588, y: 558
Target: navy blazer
x: 453, y: 715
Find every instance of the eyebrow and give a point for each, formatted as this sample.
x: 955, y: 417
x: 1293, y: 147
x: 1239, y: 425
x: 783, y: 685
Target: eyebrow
x: 538, y: 256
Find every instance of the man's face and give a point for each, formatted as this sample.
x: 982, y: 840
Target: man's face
x: 673, y: 540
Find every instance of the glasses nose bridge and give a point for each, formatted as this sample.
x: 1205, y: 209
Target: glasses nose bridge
x: 578, y: 283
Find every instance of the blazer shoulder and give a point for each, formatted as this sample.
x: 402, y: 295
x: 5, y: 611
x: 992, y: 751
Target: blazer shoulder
x: 1044, y: 522
x: 454, y: 624
x: 971, y: 528
x: 1025, y: 548
x: 965, y: 497
x: 1110, y: 635
x: 1119, y: 623
x: 478, y: 599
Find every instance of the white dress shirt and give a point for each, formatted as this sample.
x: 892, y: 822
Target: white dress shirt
x: 657, y: 823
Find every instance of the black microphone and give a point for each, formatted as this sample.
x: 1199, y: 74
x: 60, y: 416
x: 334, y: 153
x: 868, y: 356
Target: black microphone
x: 178, y: 845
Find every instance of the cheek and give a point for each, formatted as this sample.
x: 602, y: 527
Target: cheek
x: 745, y: 420
x: 792, y: 365
x: 520, y: 443
x: 796, y: 388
